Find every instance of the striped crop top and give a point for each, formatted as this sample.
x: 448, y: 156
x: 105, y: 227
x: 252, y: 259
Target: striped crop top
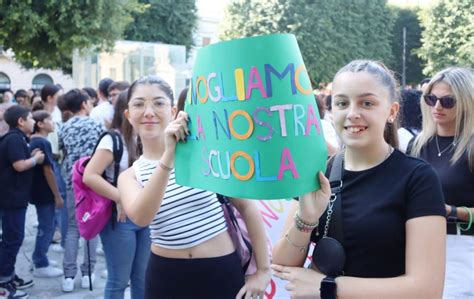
x: 187, y: 216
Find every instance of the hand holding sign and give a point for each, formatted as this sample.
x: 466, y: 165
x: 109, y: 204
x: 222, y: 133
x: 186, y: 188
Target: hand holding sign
x: 254, y: 123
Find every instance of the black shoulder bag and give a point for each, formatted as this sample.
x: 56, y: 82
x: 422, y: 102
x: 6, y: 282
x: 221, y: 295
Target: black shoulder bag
x: 328, y: 255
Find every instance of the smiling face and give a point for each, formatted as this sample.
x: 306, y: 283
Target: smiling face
x: 361, y: 109
x: 149, y: 110
x: 443, y: 117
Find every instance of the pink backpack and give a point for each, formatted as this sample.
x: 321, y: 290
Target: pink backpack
x: 93, y: 211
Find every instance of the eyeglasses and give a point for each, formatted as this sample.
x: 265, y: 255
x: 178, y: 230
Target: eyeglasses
x: 447, y: 102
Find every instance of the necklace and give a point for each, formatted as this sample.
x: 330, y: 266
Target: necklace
x: 440, y: 152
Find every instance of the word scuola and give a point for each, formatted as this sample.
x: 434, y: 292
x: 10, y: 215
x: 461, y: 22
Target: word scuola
x: 202, y: 91
x: 222, y: 164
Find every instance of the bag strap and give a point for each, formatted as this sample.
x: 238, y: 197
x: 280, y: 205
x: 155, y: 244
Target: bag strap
x: 335, y: 180
x: 118, y: 152
x: 228, y: 205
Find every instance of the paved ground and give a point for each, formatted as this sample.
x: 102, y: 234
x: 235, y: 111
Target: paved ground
x: 51, y: 287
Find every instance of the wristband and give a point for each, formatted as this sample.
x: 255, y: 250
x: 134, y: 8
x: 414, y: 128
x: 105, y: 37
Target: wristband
x: 33, y: 159
x: 453, y: 215
x: 469, y: 224
x: 303, y: 226
x: 164, y: 167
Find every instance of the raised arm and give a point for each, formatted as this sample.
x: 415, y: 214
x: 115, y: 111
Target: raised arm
x: 292, y: 247
x: 142, y: 204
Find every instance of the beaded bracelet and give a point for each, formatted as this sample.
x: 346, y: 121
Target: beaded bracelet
x: 469, y: 224
x: 164, y: 167
x: 303, y: 226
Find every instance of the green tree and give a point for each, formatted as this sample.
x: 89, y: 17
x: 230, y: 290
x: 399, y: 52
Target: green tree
x: 408, y: 18
x: 448, y: 35
x: 329, y: 33
x: 166, y: 21
x: 44, y: 33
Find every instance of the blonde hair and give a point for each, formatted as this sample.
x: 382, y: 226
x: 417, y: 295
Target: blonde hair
x: 461, y: 81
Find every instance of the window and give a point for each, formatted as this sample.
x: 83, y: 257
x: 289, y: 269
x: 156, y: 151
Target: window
x: 4, y: 82
x: 41, y: 80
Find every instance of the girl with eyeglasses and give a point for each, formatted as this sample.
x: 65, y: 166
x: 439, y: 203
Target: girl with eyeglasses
x: 192, y: 254
x: 447, y: 143
x: 391, y: 205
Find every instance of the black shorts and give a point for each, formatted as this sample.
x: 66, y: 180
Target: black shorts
x: 218, y: 277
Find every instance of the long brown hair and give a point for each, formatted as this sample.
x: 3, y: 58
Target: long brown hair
x: 132, y: 140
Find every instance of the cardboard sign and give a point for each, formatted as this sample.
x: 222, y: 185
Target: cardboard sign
x: 254, y: 122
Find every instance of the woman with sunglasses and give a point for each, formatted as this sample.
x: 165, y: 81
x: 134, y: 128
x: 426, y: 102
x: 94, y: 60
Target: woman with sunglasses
x: 447, y: 143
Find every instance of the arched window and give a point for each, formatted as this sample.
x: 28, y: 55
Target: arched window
x: 41, y: 80
x: 4, y: 82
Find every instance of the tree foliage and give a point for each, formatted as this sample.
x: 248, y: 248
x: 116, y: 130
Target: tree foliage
x: 166, y: 21
x: 329, y: 33
x: 408, y: 18
x: 448, y: 35
x: 44, y: 33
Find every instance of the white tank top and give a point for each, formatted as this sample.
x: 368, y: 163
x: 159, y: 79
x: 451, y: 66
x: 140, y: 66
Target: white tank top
x: 187, y: 216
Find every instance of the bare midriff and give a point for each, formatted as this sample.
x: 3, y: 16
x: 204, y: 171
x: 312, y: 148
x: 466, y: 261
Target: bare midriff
x: 219, y: 245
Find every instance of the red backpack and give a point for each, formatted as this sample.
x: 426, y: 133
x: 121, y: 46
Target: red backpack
x: 93, y: 211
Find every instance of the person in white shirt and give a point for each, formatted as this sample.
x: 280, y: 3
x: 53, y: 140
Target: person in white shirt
x: 104, y: 111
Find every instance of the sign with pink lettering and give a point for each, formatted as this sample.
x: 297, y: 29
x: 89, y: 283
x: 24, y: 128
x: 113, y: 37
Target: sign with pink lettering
x: 254, y: 122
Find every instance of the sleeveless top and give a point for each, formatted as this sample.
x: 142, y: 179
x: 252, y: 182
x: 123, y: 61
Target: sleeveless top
x: 187, y: 216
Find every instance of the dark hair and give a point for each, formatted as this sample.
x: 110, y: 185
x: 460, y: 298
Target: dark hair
x: 49, y: 90
x: 133, y: 142
x: 181, y: 100
x: 104, y: 86
x: 120, y: 85
x: 328, y: 103
x: 424, y: 81
x: 21, y: 93
x: 120, y: 107
x: 410, y: 110
x: 39, y: 105
x: 14, y: 113
x: 39, y: 116
x: 386, y: 77
x: 321, y: 107
x: 74, y: 99
x: 62, y: 105
x: 90, y: 91
x: 119, y: 122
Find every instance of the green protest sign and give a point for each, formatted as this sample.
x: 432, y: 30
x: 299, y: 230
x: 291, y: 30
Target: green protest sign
x: 254, y: 122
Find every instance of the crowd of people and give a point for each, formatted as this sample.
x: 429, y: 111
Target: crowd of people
x: 394, y: 214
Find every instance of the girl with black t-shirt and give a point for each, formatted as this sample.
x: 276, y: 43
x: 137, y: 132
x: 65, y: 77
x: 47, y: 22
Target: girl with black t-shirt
x: 45, y: 195
x: 447, y: 143
x: 391, y: 211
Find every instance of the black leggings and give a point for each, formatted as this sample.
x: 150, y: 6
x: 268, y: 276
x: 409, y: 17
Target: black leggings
x: 218, y: 277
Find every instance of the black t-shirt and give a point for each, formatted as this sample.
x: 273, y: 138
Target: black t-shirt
x: 41, y: 193
x: 376, y: 203
x: 15, y: 186
x: 457, y: 180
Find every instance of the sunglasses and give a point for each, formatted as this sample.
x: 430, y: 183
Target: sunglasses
x: 447, y: 102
